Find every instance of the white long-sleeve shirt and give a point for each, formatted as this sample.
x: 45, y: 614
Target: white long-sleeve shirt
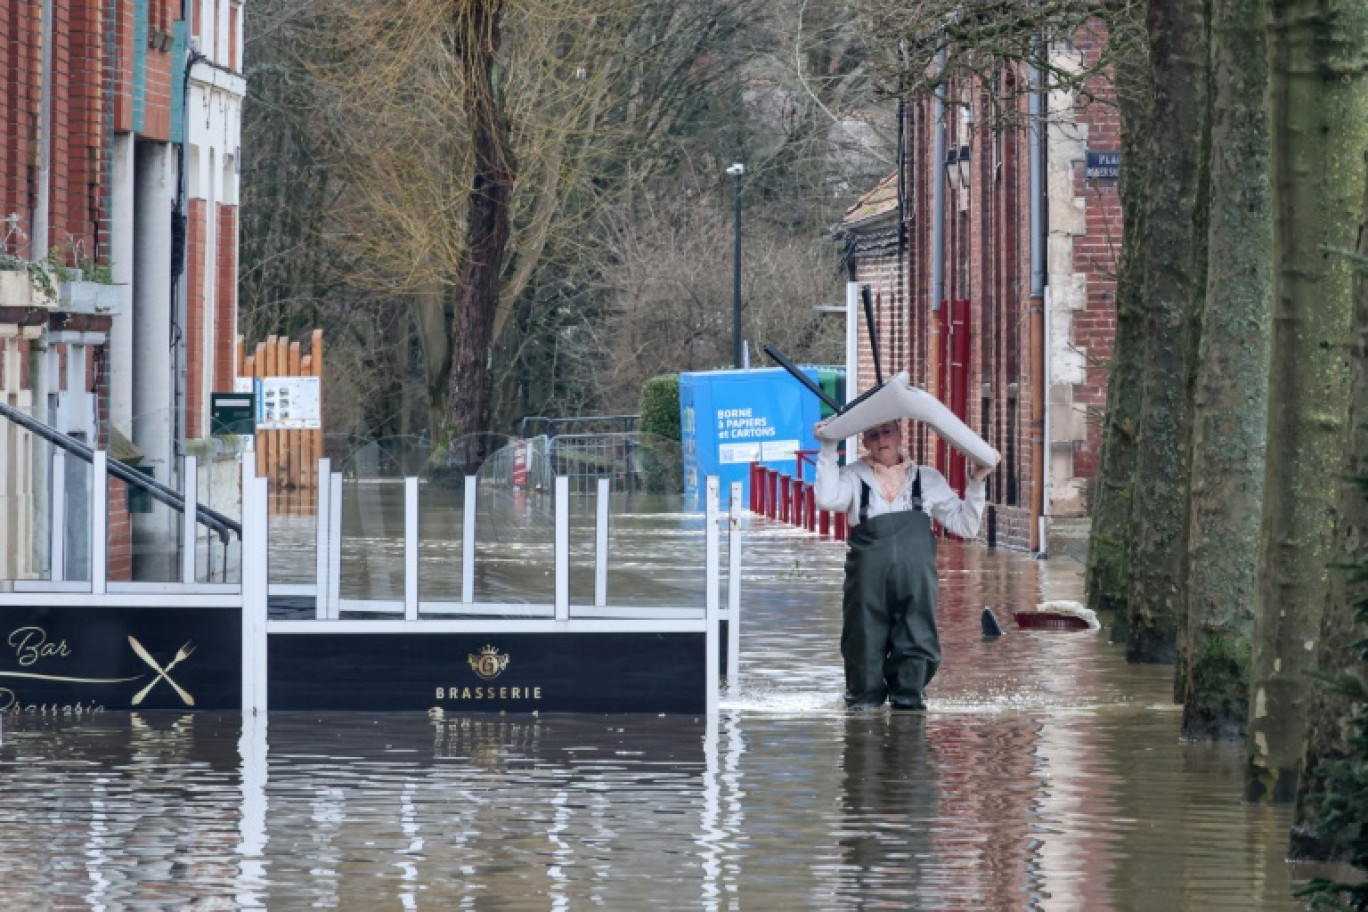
x: 838, y: 488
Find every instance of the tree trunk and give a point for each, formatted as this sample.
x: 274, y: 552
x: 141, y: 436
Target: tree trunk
x: 432, y: 317
x: 1172, y: 269
x: 1108, y: 574
x: 1231, y: 390
x: 1330, y: 708
x: 488, y: 218
x: 1319, y: 126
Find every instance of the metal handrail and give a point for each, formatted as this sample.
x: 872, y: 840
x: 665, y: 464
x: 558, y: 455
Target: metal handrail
x: 213, y: 519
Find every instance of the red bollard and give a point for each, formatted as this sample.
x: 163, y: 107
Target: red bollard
x: 810, y: 510
x: 841, y: 527
x: 783, y: 498
x: 824, y: 523
x: 773, y: 506
x: 754, y: 486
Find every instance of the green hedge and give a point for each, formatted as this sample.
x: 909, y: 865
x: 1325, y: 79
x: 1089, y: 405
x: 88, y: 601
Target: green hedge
x: 659, y: 407
x: 662, y: 463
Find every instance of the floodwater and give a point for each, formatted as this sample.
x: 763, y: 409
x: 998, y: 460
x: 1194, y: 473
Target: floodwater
x: 1047, y: 774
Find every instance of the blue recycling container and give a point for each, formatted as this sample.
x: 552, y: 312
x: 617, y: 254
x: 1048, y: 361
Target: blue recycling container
x: 729, y: 419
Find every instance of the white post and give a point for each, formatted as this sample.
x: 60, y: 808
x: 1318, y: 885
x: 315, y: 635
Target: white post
x: 711, y: 613
x: 255, y: 593
x: 601, y: 546
x: 264, y: 592
x: 335, y: 547
x: 189, y: 519
x: 562, y: 548
x: 323, y: 527
x: 852, y: 340
x: 468, y: 540
x: 250, y: 582
x: 248, y: 471
x: 99, y: 523
x: 734, y: 589
x: 59, y: 514
x: 410, y: 549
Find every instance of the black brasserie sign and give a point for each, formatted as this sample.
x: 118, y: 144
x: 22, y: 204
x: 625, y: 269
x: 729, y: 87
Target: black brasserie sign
x: 76, y: 660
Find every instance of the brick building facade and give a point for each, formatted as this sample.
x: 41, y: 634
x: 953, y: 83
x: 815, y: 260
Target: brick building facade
x: 1014, y: 336
x: 119, y: 132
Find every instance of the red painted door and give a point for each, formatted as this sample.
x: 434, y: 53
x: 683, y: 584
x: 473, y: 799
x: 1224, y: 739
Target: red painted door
x: 954, y: 385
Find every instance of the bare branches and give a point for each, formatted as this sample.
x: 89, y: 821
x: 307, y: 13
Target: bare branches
x: 620, y: 114
x: 930, y: 45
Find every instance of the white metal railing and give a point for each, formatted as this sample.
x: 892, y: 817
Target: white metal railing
x: 330, y: 605
x: 411, y: 612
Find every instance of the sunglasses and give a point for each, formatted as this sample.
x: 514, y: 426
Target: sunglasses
x: 888, y: 431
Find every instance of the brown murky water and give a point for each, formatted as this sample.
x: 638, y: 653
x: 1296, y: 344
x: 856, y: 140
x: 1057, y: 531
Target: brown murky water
x: 1047, y: 774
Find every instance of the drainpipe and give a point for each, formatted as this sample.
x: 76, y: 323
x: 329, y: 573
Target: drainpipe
x: 1039, y: 381
x: 937, y: 230
x: 180, y: 238
x: 42, y: 217
x: 852, y: 343
x: 900, y: 162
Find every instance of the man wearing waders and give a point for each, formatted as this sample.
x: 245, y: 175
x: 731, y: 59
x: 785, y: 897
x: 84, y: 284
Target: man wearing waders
x: 888, y: 634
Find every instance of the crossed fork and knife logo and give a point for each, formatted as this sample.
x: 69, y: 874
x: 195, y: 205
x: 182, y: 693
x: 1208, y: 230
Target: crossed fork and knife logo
x: 162, y: 673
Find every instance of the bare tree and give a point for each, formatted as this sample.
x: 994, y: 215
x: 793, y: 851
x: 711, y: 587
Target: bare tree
x: 670, y: 295
x: 616, y: 112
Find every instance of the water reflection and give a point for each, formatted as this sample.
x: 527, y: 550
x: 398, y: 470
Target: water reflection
x: 890, y: 798
x: 1047, y: 775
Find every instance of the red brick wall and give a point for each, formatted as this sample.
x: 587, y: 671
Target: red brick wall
x: 1094, y: 328
x: 79, y: 134
x: 20, y: 69
x: 120, y: 542
x: 233, y: 62
x: 988, y: 264
x: 195, y: 265
x: 225, y: 300
x: 92, y: 94
x: 201, y: 375
x: 121, y: 66
x: 157, y: 113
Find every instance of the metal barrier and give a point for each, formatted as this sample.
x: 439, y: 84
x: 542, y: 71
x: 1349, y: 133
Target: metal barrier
x: 536, y: 426
x: 583, y: 459
x: 792, y: 500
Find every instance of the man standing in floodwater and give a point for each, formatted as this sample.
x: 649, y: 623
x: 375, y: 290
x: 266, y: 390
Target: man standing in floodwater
x: 889, y: 641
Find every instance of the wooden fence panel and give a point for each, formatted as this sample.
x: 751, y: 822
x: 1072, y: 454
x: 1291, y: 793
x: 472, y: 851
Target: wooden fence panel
x: 289, y: 458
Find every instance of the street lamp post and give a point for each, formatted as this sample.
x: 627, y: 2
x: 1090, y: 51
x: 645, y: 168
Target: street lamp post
x: 736, y: 171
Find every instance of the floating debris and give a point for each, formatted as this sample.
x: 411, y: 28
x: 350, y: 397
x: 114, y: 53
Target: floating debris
x: 1058, y: 615
x: 991, y: 627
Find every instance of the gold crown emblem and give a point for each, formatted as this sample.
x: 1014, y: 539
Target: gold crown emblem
x: 488, y: 663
